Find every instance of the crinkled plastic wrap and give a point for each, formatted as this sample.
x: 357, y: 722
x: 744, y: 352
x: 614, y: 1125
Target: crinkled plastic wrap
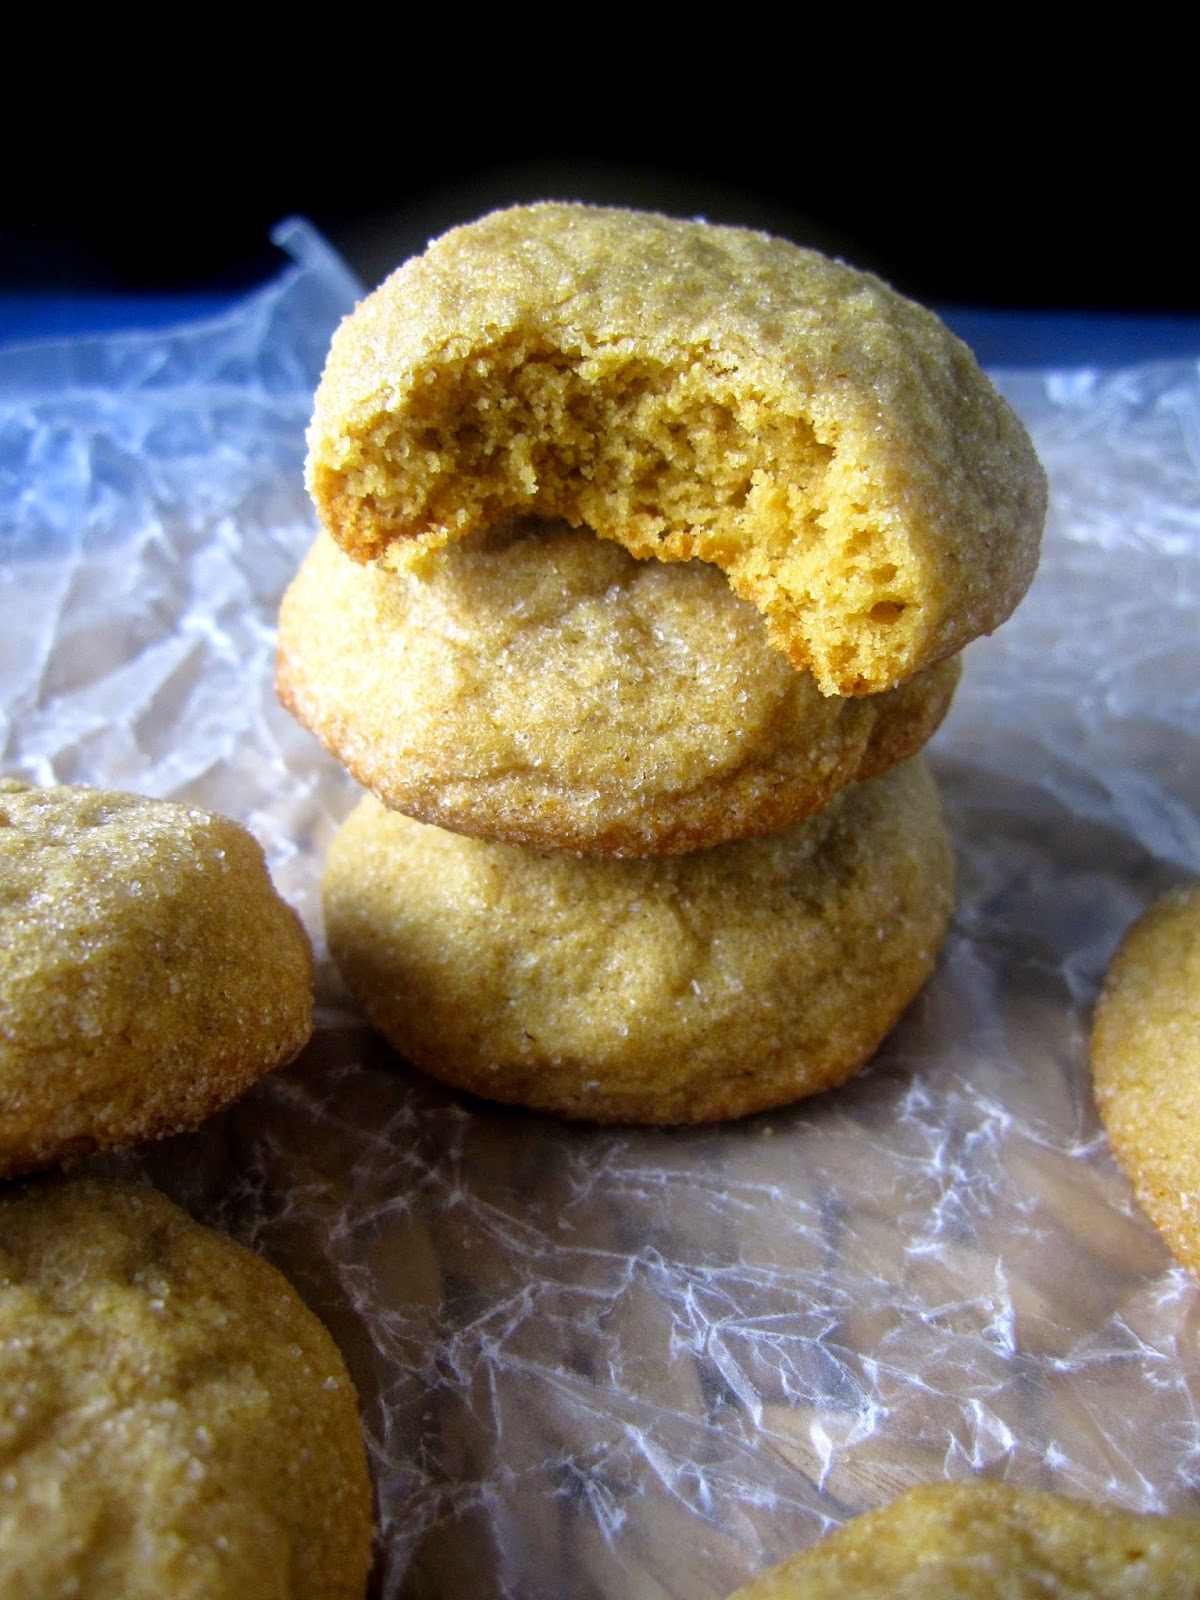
x: 650, y: 1363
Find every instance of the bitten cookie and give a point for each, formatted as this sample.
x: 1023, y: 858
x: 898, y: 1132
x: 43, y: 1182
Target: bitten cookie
x: 149, y: 973
x: 1146, y: 1066
x: 174, y: 1421
x: 688, y: 391
x: 671, y: 989
x: 992, y: 1541
x: 538, y: 686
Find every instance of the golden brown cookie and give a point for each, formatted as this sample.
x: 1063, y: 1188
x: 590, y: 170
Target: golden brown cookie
x: 671, y: 989
x: 174, y: 1421
x: 538, y: 686
x: 1146, y: 1066
x: 688, y: 391
x: 149, y: 973
x: 992, y: 1541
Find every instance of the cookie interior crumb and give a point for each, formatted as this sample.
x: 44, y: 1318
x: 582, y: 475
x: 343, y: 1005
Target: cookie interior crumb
x: 691, y: 392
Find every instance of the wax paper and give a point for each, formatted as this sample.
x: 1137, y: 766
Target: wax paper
x: 649, y: 1363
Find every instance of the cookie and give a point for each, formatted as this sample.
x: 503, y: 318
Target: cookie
x: 539, y: 686
x: 149, y: 973
x: 689, y: 391
x: 993, y: 1541
x: 174, y: 1421
x: 665, y: 990
x: 1146, y: 1066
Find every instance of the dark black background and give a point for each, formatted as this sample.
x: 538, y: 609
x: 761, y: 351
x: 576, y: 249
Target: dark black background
x: 940, y: 196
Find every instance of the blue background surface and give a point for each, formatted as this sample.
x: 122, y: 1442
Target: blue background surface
x: 998, y: 337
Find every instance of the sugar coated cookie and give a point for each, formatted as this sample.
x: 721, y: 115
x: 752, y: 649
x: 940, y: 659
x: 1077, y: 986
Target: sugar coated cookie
x: 539, y: 686
x: 993, y: 1541
x: 688, y: 391
x: 149, y: 973
x: 1146, y: 1066
x: 671, y: 989
x: 174, y: 1421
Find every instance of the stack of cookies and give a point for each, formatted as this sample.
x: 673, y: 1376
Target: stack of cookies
x: 648, y: 549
